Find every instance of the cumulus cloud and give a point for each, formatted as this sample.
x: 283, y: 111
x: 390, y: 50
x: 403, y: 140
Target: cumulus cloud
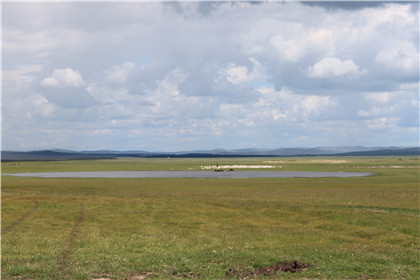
x: 405, y: 56
x: 237, y: 74
x: 21, y: 77
x: 291, y: 108
x: 119, y: 74
x: 64, y: 78
x: 293, y: 47
x: 234, y: 74
x: 331, y: 66
x: 42, y: 106
x: 240, y: 74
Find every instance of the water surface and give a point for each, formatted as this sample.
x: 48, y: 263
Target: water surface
x: 192, y: 174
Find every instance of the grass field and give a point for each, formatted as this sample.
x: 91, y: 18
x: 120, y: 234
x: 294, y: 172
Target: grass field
x: 344, y: 228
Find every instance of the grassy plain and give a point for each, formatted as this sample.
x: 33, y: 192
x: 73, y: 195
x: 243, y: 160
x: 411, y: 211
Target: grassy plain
x: 346, y: 228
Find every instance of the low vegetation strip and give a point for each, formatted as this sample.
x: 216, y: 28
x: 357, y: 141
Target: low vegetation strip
x: 21, y: 218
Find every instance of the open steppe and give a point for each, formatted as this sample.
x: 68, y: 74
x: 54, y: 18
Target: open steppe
x: 210, y: 228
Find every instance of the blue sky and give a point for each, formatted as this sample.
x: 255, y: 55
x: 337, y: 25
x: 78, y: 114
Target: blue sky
x: 204, y: 75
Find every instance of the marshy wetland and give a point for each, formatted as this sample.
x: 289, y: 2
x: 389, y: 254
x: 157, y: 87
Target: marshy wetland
x: 207, y: 228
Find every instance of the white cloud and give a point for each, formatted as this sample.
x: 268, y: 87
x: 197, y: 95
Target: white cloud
x: 404, y: 56
x: 300, y: 41
x: 316, y: 104
x: 39, y: 44
x: 391, y: 13
x: 169, y: 85
x: 289, y: 49
x: 382, y: 123
x: 20, y: 77
x: 42, y: 106
x: 288, y: 107
x: 107, y: 95
x: 409, y: 86
x: 119, y: 74
x: 64, y: 78
x: 379, y: 97
x: 101, y: 131
x: 209, y: 75
x: 374, y: 111
x: 240, y: 74
x: 333, y: 67
x: 401, y: 107
x: 237, y: 74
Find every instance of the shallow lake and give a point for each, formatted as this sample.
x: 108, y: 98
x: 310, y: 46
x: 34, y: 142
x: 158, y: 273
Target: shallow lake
x: 191, y: 174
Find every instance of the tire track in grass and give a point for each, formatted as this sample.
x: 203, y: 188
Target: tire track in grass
x: 65, y: 259
x: 21, y: 218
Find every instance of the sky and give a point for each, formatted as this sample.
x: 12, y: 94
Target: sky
x: 177, y: 76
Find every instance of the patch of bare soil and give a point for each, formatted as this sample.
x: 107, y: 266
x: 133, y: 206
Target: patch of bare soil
x: 103, y: 277
x: 141, y: 276
x: 134, y: 277
x: 292, y: 267
x: 186, y: 276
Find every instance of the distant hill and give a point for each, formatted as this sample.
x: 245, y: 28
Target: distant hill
x: 386, y: 152
x: 251, y: 152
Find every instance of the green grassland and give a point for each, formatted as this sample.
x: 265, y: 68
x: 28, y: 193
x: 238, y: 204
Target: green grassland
x: 186, y: 228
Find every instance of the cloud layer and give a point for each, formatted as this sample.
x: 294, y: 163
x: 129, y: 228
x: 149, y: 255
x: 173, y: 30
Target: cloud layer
x: 183, y: 75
